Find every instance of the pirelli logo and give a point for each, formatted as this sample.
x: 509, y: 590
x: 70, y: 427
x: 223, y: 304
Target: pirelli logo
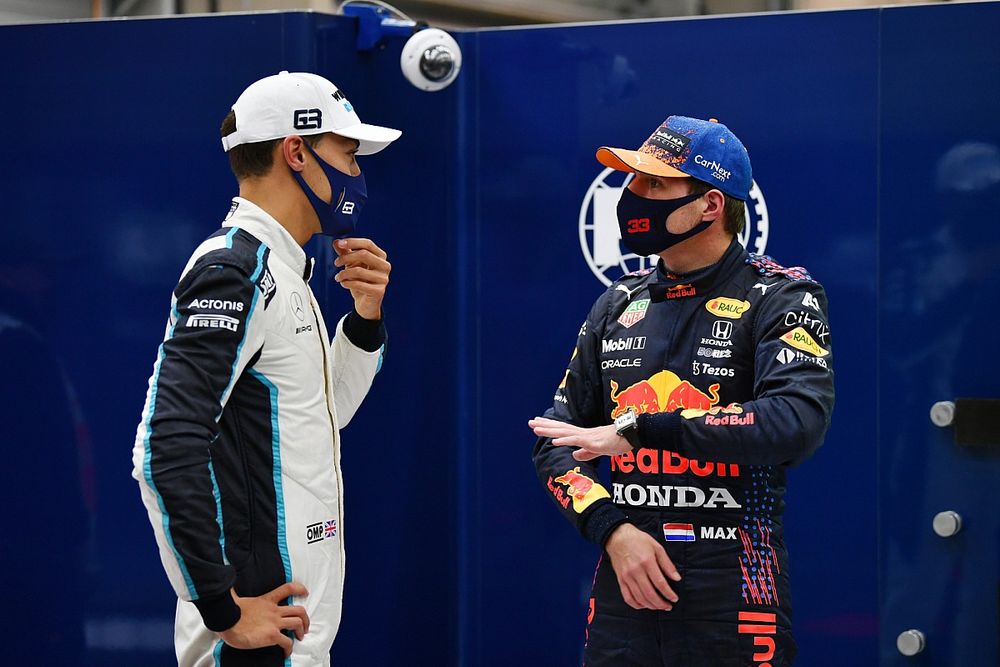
x: 213, y: 322
x: 760, y: 625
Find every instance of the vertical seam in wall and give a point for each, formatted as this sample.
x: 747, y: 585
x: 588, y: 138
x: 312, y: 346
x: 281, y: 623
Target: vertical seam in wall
x: 465, y: 438
x: 468, y: 329
x: 878, y: 313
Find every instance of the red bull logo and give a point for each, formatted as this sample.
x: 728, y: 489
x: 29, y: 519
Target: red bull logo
x: 655, y: 461
x: 730, y: 415
x: 581, y: 490
x: 730, y: 420
x: 578, y: 484
x: 680, y: 291
x: 664, y: 392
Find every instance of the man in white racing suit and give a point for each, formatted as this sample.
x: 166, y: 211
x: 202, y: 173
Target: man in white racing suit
x: 238, y: 452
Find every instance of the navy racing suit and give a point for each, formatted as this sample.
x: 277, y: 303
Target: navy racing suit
x: 730, y: 371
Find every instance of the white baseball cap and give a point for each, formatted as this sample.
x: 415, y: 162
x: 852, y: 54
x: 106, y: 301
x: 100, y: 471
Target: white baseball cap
x: 301, y: 103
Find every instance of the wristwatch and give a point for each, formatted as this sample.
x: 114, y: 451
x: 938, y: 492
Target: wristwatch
x: 627, y: 426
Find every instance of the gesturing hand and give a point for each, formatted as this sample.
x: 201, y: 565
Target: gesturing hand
x: 365, y: 273
x: 262, y: 619
x: 640, y: 563
x: 593, y: 442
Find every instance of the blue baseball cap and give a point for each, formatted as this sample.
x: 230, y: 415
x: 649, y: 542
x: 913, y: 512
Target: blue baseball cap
x: 688, y: 147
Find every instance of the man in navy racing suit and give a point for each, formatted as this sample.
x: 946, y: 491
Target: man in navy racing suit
x: 703, y: 380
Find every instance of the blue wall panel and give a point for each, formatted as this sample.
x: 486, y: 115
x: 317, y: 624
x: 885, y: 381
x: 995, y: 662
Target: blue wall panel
x: 873, y: 139
x: 120, y: 176
x: 940, y: 193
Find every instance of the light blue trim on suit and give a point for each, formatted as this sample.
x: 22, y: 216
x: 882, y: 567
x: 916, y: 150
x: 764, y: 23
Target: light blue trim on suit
x: 279, y: 497
x: 148, y: 455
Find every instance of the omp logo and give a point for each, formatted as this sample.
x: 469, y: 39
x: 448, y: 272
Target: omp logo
x: 600, y: 237
x: 323, y: 530
x: 213, y: 322
x: 307, y: 119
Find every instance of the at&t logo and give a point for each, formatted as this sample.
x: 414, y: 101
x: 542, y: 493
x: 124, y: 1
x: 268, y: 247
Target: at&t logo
x: 600, y: 239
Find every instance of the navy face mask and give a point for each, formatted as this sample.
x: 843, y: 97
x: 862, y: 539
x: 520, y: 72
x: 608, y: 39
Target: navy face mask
x: 643, y: 222
x: 348, y: 196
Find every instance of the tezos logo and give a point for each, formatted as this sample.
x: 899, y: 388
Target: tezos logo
x: 307, y: 119
x: 600, y: 238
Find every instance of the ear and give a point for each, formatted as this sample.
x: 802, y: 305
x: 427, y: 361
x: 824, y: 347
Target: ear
x: 715, y: 204
x: 293, y: 152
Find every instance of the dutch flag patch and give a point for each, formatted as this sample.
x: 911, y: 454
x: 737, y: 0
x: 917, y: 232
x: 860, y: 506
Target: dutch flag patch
x: 678, y: 532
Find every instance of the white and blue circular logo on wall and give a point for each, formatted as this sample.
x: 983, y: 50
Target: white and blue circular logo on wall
x: 600, y: 239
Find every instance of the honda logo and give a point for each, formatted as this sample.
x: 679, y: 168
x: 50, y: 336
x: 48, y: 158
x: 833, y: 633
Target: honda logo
x: 722, y: 329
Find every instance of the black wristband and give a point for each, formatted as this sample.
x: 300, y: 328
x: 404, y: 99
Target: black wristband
x: 219, y: 613
x: 369, y: 335
x: 661, y: 430
x: 604, y: 517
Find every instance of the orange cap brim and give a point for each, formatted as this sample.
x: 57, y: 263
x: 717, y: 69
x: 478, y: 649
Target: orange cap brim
x: 625, y: 160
